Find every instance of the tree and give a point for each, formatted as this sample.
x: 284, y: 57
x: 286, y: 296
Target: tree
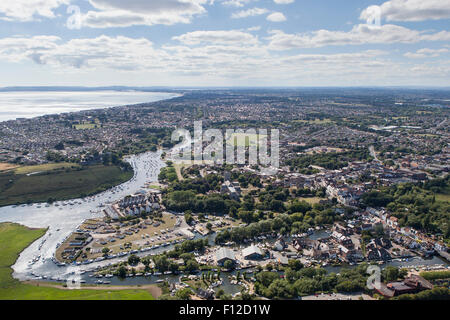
x: 391, y: 273
x: 161, y: 263
x: 280, y: 289
x: 229, y: 265
x: 295, y: 265
x: 133, y: 260
x: 173, y: 267
x: 122, y: 272
x: 220, y: 293
x: 377, y: 199
x: 146, y: 263
x: 184, y: 294
x: 266, y: 278
x: 105, y: 251
x: 306, y: 286
x: 188, y: 217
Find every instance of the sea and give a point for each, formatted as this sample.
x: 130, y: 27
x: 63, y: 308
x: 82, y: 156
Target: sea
x: 30, y: 104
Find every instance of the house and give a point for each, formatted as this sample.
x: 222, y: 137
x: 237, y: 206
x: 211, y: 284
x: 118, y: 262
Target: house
x: 353, y: 256
x: 231, y: 188
x: 385, y: 291
x: 378, y: 254
x: 225, y: 254
x: 418, y: 282
x: 252, y: 253
x: 392, y: 222
x: 206, y: 294
x: 279, y: 245
x: 282, y: 260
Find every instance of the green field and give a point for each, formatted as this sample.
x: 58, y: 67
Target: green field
x: 244, y: 139
x: 443, y: 197
x: 45, y: 167
x: 14, y: 239
x: 315, y: 121
x: 60, y: 184
x: 85, y: 126
x: 312, y: 200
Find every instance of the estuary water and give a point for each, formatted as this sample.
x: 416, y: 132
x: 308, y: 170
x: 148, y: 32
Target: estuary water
x: 30, y: 104
x: 63, y: 217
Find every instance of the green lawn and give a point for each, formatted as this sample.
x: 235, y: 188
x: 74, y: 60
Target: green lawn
x: 14, y: 239
x: 58, y: 184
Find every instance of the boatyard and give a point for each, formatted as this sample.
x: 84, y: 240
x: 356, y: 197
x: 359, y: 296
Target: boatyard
x: 99, y: 239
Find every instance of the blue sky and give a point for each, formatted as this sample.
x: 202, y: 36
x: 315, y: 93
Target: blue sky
x: 225, y: 42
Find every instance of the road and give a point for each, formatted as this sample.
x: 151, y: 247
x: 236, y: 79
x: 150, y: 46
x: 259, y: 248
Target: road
x: 374, y: 154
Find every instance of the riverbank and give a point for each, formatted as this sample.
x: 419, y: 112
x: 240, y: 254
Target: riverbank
x: 15, y: 238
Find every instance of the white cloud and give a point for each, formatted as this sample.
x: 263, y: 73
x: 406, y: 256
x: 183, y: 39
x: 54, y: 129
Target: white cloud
x: 360, y: 34
x: 439, y: 36
x: 16, y: 49
x: 276, y: 17
x: 27, y: 10
x: 212, y: 58
x: 412, y: 10
x: 249, y: 13
x: 118, y: 13
x: 426, y: 53
x: 283, y: 1
x: 237, y: 3
x: 255, y: 28
x: 217, y: 37
x: 115, y: 52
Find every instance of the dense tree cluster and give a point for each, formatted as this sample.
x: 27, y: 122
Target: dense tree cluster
x: 415, y: 205
x: 307, y: 281
x: 437, y: 293
x: 181, y: 251
x: 330, y: 161
x: 283, y: 223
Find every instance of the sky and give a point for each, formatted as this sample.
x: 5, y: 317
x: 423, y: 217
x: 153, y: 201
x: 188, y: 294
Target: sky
x: 227, y: 43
